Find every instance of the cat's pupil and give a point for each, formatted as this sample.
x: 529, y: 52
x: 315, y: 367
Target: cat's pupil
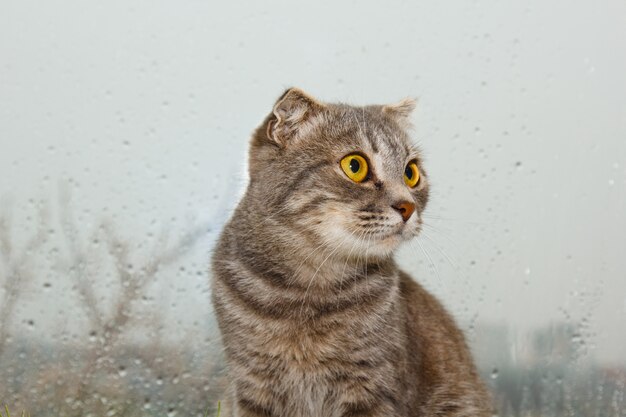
x: 355, y: 166
x: 408, y: 172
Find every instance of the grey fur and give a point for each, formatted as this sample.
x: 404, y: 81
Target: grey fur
x: 316, y: 317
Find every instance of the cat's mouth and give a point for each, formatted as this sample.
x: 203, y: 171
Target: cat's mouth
x: 375, y: 234
x: 393, y: 234
x: 400, y: 231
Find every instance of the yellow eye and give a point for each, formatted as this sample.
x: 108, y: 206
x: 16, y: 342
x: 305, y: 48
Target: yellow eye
x: 355, y: 167
x: 411, y: 174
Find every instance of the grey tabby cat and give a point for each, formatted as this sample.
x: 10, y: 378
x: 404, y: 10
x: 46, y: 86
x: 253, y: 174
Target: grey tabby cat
x: 316, y: 318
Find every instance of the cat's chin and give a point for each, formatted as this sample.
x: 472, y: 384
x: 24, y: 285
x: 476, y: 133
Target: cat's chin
x: 373, y: 246
x: 386, y: 246
x: 347, y: 241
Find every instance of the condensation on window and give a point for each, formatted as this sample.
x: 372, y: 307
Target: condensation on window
x: 123, y: 143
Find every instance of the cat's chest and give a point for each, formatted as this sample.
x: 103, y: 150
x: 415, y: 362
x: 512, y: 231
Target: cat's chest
x: 307, y: 346
x: 300, y: 358
x: 317, y: 346
x: 307, y: 394
x: 310, y: 359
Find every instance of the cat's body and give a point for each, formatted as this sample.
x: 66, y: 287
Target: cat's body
x: 316, y: 318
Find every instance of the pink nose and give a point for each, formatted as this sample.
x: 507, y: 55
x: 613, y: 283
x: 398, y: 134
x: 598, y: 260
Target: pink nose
x: 405, y: 209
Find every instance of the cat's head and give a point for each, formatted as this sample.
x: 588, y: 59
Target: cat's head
x: 342, y: 176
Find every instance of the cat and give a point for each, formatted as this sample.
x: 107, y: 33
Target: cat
x: 316, y: 318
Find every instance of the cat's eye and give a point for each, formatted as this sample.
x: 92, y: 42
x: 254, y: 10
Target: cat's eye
x: 411, y: 174
x: 355, y: 167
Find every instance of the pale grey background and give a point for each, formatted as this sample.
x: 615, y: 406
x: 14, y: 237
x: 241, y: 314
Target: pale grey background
x: 142, y: 111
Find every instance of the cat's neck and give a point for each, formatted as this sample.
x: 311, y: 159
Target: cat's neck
x: 302, y: 258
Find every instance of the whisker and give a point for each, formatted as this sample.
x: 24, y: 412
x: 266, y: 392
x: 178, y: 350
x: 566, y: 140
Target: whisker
x: 429, y: 258
x: 440, y: 250
x: 450, y: 219
x: 304, y: 298
x: 354, y: 244
x: 358, y: 262
x: 367, y: 248
x: 442, y: 233
x: 295, y: 273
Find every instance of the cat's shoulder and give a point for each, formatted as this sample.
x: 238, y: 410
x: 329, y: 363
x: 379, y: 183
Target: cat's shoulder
x: 416, y: 295
x: 425, y: 311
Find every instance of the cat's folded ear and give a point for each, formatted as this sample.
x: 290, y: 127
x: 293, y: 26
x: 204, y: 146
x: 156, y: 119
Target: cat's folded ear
x: 292, y: 115
x: 401, y: 111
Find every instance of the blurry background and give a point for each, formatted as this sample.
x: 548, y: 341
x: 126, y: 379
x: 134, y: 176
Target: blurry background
x: 123, y: 140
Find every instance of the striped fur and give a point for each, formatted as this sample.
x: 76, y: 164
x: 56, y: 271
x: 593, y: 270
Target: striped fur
x: 316, y: 318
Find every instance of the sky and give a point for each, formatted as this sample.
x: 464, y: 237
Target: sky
x: 143, y: 109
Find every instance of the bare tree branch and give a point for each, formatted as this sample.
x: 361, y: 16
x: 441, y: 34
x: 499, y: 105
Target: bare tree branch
x: 133, y: 283
x: 18, y: 273
x: 78, y: 260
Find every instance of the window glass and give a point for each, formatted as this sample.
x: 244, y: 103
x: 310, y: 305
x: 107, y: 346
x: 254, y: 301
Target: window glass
x: 124, y: 128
